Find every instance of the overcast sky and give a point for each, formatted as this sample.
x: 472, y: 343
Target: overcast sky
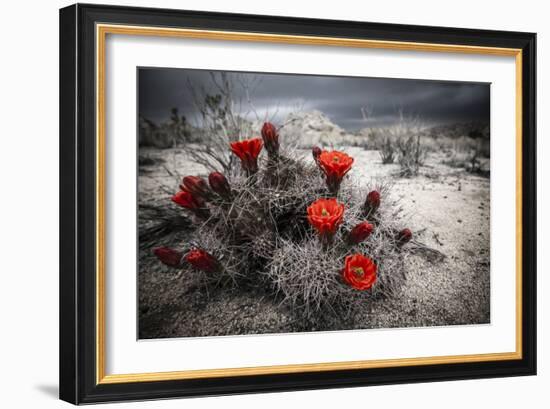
x: 340, y: 98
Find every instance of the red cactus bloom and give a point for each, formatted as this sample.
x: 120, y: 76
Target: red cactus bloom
x: 359, y: 272
x: 168, y: 256
x: 196, y: 186
x: 335, y: 165
x: 202, y: 260
x: 360, y: 232
x: 191, y: 202
x: 188, y: 200
x: 404, y: 236
x: 219, y: 184
x: 271, y: 138
x: 325, y: 215
x: 248, y: 151
x: 372, y: 203
x: 316, y: 151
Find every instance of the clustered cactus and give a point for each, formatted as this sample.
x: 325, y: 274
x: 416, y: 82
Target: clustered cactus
x: 292, y: 227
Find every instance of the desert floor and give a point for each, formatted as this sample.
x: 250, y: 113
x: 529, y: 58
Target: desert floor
x: 448, y: 209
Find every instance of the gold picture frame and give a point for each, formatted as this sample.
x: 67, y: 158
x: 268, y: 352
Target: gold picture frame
x: 105, y: 29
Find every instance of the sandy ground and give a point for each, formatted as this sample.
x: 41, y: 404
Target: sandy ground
x: 448, y: 206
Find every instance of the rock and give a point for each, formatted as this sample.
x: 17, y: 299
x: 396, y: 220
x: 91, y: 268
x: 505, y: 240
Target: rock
x: 312, y: 128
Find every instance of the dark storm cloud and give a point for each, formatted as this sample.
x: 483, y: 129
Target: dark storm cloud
x: 340, y: 98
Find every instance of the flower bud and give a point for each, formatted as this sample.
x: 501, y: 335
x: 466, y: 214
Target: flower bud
x: 219, y: 184
x: 360, y: 233
x: 191, y: 202
x: 316, y: 152
x: 404, y: 236
x: 372, y: 203
x: 197, y: 187
x: 202, y: 260
x: 168, y: 256
x: 271, y: 138
x: 188, y: 200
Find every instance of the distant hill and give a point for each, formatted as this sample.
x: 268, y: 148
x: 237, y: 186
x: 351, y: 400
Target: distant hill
x: 315, y: 128
x: 457, y: 130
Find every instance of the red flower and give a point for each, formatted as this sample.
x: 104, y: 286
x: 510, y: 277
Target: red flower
x: 168, y: 256
x: 219, y: 184
x: 404, y: 236
x: 197, y: 187
x: 248, y: 151
x: 372, y: 203
x: 360, y: 232
x: 271, y: 138
x: 359, y: 272
x: 191, y: 202
x: 335, y: 165
x: 188, y: 200
x: 325, y: 215
x: 202, y: 260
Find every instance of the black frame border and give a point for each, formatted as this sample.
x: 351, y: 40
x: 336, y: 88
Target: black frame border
x: 78, y: 213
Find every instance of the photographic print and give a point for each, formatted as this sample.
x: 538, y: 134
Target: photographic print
x: 278, y: 203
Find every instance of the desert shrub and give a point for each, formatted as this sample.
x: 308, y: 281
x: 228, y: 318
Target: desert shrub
x: 468, y: 153
x: 402, y: 141
x: 252, y: 229
x: 179, y: 127
x: 387, y: 151
x: 454, y: 160
x: 435, y: 145
x: 151, y: 134
x: 484, y: 147
x: 412, y: 155
x: 474, y: 165
x: 219, y: 118
x: 167, y: 134
x: 452, y: 143
x: 468, y: 161
x: 475, y: 133
x: 368, y: 139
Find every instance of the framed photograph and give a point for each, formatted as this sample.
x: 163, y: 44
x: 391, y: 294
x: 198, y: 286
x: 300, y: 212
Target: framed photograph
x: 258, y: 203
